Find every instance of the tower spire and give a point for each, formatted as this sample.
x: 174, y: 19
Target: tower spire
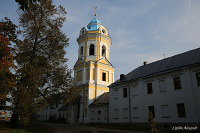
x: 95, y: 13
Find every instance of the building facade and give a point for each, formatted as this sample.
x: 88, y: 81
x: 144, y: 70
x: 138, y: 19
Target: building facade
x: 169, y: 88
x: 93, y: 71
x: 99, y: 109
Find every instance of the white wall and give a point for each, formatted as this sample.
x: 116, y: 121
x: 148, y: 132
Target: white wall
x: 140, y: 100
x: 95, y: 117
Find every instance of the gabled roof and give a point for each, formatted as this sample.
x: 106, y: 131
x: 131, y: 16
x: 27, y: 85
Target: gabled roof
x: 188, y: 58
x: 79, y: 61
x: 104, y: 60
x: 103, y: 99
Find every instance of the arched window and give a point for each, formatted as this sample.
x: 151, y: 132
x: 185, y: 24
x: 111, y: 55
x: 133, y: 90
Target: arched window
x: 81, y: 52
x: 91, y: 52
x: 103, y: 51
x: 83, y: 31
x: 103, y: 31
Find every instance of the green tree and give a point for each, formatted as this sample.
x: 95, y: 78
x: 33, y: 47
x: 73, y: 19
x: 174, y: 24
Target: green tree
x: 7, y: 78
x: 41, y: 63
x: 24, y: 4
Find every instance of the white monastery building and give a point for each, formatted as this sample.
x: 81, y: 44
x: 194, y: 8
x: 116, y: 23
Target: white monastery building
x: 169, y: 88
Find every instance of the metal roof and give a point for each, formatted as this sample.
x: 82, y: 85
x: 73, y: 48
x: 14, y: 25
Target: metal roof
x: 103, y: 99
x: 188, y: 58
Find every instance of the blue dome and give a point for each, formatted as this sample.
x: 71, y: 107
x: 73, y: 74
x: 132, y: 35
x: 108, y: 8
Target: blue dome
x: 95, y: 20
x: 94, y: 24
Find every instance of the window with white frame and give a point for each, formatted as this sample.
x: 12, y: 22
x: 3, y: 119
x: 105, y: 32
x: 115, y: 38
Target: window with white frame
x: 134, y: 88
x: 125, y: 113
x: 135, y: 113
x: 165, y: 111
x: 115, y: 93
x: 116, y: 113
x: 162, y: 86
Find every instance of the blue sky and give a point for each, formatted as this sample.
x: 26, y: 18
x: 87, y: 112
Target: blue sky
x: 141, y: 30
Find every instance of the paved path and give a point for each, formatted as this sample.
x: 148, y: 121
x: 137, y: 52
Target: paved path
x: 64, y: 128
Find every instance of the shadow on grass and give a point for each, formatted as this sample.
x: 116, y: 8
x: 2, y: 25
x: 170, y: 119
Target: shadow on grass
x: 32, y: 128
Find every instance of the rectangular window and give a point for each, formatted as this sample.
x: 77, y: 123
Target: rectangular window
x: 116, y: 114
x: 103, y: 76
x: 149, y: 88
x: 99, y: 112
x: 134, y: 89
x: 177, y: 83
x: 125, y: 92
x: 125, y: 113
x: 99, y: 115
x: 181, y: 110
x: 151, y: 109
x: 105, y: 114
x: 115, y: 93
x: 135, y: 112
x: 164, y: 109
x: 198, y: 78
x: 162, y: 86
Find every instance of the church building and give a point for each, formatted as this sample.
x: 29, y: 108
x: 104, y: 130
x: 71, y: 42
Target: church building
x: 168, y: 88
x: 93, y: 72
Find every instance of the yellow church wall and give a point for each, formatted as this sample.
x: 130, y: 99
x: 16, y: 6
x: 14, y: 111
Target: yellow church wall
x: 87, y: 74
x: 85, y: 51
x: 112, y: 77
x: 98, y: 87
x: 92, y: 65
x: 105, y: 67
x: 104, y: 62
x: 87, y: 86
x: 100, y: 39
x: 93, y: 74
x: 79, y: 76
x: 92, y: 32
x: 80, y: 66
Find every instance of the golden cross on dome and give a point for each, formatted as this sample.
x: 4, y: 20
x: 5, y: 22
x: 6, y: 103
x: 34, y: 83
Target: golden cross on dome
x: 95, y: 13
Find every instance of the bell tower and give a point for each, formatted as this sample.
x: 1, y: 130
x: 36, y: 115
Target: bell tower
x: 93, y: 71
